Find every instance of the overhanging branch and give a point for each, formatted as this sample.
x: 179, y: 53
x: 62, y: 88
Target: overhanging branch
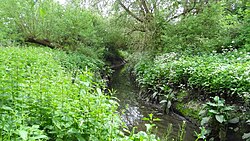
x: 43, y: 42
x: 129, y: 12
x: 145, y: 6
x: 184, y: 12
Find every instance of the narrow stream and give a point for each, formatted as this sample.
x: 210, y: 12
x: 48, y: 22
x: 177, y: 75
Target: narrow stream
x: 134, y: 109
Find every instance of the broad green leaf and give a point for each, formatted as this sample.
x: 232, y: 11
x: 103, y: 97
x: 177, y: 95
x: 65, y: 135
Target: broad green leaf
x: 150, y: 116
x: 228, y: 108
x: 72, y: 131
x: 39, y: 137
x: 212, y: 104
x: 149, y: 127
x: 155, y: 94
x: 220, y: 118
x: 42, y: 12
x: 213, y: 111
x: 79, y: 137
x: 169, y: 104
x: 246, y: 136
x: 202, y: 112
x: 234, y: 120
x: 7, y: 108
x: 205, y: 120
x: 156, y: 119
x: 99, y: 91
x: 145, y: 119
x: 23, y: 134
x: 164, y: 101
x: 216, y: 98
x: 35, y: 126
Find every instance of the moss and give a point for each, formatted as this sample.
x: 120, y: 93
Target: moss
x: 181, y: 95
x: 188, y: 107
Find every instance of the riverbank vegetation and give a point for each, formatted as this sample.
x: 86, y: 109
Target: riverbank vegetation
x: 54, y: 59
x: 40, y: 100
x: 206, y: 55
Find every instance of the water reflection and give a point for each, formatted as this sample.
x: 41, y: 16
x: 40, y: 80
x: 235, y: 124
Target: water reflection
x: 132, y: 116
x: 133, y: 109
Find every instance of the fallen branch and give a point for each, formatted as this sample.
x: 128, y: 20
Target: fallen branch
x: 44, y: 42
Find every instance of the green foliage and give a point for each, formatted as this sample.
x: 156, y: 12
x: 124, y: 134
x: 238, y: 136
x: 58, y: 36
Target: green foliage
x: 144, y: 136
x: 215, y: 116
x: 73, y: 61
x: 246, y: 28
x: 225, y: 74
x: 189, y: 109
x: 60, y: 25
x: 246, y: 136
x: 40, y: 102
x: 202, y: 135
x: 198, y: 33
x: 168, y: 100
x: 212, y: 29
x: 151, y: 128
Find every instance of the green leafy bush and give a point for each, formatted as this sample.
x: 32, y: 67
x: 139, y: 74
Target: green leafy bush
x: 50, y: 23
x: 40, y: 102
x: 224, y: 74
x: 216, y: 116
x: 210, y: 29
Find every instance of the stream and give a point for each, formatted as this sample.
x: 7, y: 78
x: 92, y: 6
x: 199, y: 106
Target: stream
x: 133, y: 109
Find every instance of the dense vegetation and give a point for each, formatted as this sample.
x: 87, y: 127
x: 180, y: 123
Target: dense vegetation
x: 207, y: 55
x: 40, y: 102
x: 194, y: 52
x: 226, y: 74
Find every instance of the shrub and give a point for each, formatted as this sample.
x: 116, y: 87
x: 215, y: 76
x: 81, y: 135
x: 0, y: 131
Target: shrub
x: 215, y: 74
x: 40, y: 102
x: 50, y: 23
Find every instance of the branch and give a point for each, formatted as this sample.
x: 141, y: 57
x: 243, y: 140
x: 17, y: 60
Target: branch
x: 134, y: 29
x: 145, y: 7
x: 184, y: 12
x: 129, y: 12
x: 141, y: 9
x: 43, y: 42
x: 154, y: 6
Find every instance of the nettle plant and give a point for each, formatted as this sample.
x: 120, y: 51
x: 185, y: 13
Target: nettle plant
x: 142, y: 135
x: 216, y: 116
x: 39, y: 100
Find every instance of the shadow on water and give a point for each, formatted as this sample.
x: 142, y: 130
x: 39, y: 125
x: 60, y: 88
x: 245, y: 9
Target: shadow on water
x: 135, y: 109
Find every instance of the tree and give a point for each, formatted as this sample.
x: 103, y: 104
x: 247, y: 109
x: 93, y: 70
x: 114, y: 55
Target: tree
x: 147, y: 19
x: 51, y: 24
x: 149, y: 16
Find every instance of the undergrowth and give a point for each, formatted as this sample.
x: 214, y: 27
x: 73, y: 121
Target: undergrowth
x: 39, y: 101
x: 224, y: 74
x: 48, y: 94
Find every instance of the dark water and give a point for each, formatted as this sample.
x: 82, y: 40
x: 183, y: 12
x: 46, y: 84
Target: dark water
x: 135, y: 109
